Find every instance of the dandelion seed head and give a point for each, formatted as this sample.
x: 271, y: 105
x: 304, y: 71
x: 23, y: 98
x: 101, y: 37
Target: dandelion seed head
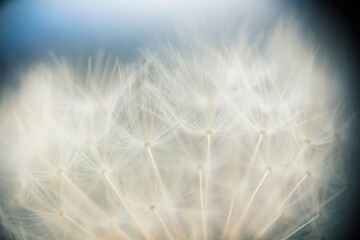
x: 226, y: 142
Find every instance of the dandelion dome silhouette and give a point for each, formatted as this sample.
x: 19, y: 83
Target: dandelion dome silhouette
x: 203, y: 142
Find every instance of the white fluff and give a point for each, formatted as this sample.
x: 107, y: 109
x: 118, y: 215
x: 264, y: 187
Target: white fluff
x: 230, y: 143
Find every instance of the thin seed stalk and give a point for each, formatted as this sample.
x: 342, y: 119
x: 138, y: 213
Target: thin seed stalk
x: 203, y: 217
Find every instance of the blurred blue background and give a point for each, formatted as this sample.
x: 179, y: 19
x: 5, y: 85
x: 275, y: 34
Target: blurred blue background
x: 30, y: 29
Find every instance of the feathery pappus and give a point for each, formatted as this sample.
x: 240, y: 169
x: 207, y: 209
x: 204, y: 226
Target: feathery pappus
x: 220, y: 143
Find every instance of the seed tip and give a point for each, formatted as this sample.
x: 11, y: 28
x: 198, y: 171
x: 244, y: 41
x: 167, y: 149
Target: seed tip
x: 89, y: 141
x: 262, y: 132
x: 61, y: 213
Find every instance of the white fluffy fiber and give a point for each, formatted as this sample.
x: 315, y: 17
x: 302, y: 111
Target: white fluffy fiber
x: 214, y: 143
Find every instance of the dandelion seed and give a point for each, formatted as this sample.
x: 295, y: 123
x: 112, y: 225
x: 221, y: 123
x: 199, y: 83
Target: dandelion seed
x: 237, y: 142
